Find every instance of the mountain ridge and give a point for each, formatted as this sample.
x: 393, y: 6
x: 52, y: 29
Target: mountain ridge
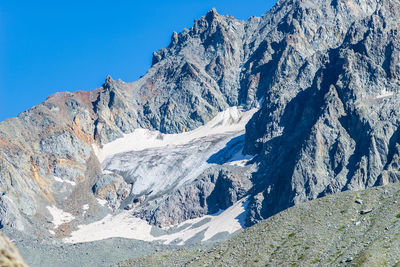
x: 323, y: 74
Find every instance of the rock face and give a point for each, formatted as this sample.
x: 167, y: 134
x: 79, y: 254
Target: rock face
x: 216, y: 189
x: 9, y: 255
x: 323, y: 73
x: 329, y: 119
x: 113, y: 188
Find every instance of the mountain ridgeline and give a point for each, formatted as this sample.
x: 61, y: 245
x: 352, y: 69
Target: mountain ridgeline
x: 323, y: 74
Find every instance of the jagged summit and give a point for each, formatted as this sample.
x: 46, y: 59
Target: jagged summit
x: 211, y: 15
x: 109, y: 78
x: 110, y: 83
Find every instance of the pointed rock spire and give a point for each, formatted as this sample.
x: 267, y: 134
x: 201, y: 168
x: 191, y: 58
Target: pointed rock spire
x: 109, y: 78
x: 212, y: 14
x: 108, y: 82
x: 174, y: 38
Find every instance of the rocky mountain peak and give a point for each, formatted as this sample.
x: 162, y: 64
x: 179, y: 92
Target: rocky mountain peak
x: 109, y: 82
x: 109, y: 79
x: 211, y: 15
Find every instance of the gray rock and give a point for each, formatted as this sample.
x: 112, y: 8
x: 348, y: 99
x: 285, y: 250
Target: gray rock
x: 216, y: 189
x: 366, y: 211
x: 112, y: 188
x: 329, y: 119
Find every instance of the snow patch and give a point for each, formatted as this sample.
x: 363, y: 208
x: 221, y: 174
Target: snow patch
x: 102, y: 202
x: 70, y: 182
x: 384, y: 94
x: 229, y: 220
x: 59, y: 216
x: 126, y: 226
x: 85, y: 207
x: 58, y: 179
x: 121, y: 225
x: 240, y: 163
x: 239, y: 159
x: 52, y: 232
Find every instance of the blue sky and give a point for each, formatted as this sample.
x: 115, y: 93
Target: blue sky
x: 52, y: 46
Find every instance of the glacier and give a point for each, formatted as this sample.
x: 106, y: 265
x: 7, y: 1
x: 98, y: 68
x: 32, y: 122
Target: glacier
x: 155, y: 163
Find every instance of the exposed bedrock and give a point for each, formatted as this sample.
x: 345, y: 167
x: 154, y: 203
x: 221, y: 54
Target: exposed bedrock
x: 340, y: 130
x: 214, y: 190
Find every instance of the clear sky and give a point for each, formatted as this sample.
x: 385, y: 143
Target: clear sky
x: 47, y: 46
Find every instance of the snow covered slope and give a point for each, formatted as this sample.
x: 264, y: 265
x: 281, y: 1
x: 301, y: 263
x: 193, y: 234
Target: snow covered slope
x: 156, y: 163
x: 127, y: 226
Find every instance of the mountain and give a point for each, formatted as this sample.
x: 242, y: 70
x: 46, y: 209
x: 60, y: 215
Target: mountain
x: 234, y: 122
x: 335, y: 230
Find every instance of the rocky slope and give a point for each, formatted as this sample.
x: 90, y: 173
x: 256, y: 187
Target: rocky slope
x: 9, y: 255
x: 359, y: 228
x: 324, y: 75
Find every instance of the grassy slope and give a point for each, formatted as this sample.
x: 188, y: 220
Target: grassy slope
x: 326, y: 231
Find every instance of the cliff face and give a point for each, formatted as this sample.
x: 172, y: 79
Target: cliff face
x: 324, y: 75
x: 338, y: 129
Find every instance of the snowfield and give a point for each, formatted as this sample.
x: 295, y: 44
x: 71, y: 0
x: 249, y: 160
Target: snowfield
x: 384, y: 94
x: 59, y: 216
x: 127, y: 226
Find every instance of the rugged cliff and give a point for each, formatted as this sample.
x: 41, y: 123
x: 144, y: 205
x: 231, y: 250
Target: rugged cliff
x: 338, y: 128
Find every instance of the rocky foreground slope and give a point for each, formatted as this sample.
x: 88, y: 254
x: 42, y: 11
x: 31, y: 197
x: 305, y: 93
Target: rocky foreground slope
x: 9, y: 255
x: 322, y: 77
x: 360, y: 228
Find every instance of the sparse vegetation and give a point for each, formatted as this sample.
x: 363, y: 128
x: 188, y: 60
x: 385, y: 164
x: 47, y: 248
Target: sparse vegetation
x: 313, y: 233
x: 315, y: 261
